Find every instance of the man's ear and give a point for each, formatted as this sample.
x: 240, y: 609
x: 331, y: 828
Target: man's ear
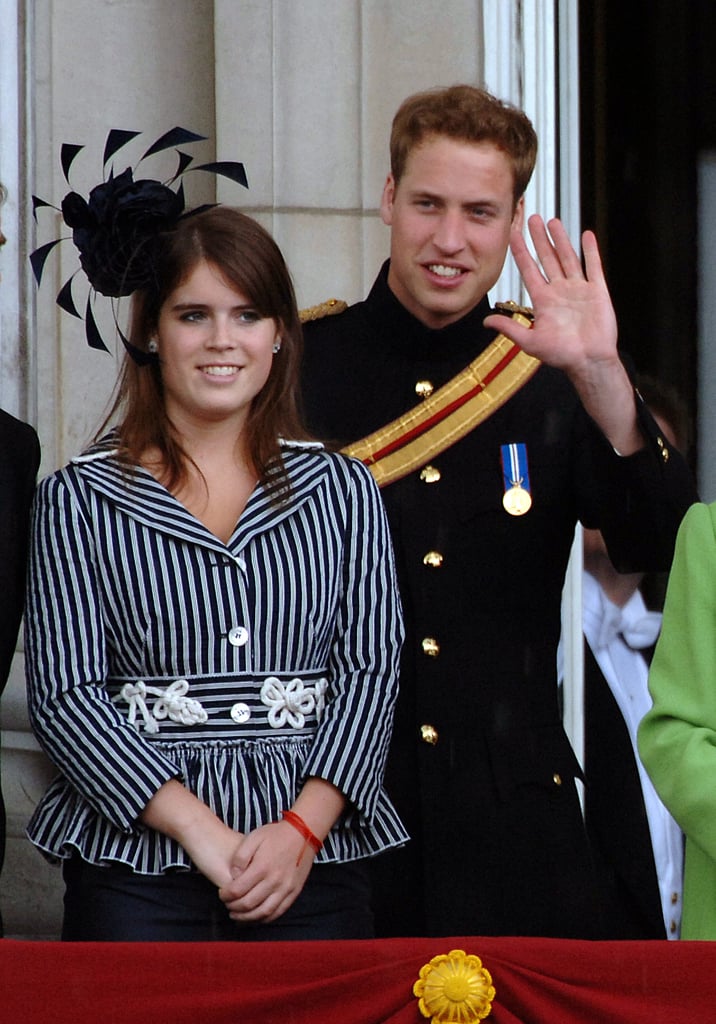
x: 386, y: 201
x: 518, y: 218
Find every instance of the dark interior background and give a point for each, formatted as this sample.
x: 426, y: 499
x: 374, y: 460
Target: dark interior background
x: 648, y: 109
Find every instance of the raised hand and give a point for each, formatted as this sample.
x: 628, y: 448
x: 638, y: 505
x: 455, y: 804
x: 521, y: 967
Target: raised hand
x: 575, y: 328
x: 574, y: 321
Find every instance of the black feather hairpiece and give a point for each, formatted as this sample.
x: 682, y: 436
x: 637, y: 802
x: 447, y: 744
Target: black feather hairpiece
x: 117, y: 228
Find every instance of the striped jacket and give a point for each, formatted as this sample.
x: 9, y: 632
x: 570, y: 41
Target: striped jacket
x: 155, y: 651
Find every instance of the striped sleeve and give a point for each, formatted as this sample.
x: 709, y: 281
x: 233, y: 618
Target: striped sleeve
x: 351, y: 744
x: 103, y: 757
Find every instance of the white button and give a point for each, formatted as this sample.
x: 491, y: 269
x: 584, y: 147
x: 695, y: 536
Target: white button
x: 241, y: 713
x: 238, y: 636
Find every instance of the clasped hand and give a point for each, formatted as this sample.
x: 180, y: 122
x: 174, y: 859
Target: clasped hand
x: 269, y: 868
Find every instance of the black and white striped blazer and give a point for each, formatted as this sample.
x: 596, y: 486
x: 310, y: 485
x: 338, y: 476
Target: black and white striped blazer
x: 155, y: 651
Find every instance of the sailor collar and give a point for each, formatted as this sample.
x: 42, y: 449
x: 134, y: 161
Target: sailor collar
x: 135, y: 492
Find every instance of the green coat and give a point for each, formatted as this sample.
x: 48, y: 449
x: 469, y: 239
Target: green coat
x: 677, y: 738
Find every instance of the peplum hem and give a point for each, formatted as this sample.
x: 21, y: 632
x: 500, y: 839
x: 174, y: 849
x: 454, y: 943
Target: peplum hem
x: 246, y: 784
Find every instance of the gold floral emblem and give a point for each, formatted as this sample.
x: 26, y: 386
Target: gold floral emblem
x: 454, y: 988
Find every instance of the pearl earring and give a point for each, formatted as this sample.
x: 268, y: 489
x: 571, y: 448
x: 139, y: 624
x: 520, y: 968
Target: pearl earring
x: 276, y: 346
x: 153, y: 347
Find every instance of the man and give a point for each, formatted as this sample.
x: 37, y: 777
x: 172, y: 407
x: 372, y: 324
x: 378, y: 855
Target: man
x: 484, y: 482
x: 637, y: 846
x: 19, y: 461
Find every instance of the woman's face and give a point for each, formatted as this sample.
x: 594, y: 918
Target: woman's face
x: 215, y: 350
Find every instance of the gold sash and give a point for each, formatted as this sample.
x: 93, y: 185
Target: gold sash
x: 400, y: 447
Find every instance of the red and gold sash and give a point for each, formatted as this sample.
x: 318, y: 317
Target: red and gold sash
x: 451, y: 412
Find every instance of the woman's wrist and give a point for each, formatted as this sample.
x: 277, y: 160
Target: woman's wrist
x: 319, y: 805
x: 309, y: 839
x: 176, y: 812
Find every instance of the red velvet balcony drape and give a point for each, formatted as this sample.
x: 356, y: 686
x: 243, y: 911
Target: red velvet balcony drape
x: 536, y: 980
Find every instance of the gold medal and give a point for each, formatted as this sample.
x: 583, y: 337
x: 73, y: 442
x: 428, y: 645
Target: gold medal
x: 517, y: 500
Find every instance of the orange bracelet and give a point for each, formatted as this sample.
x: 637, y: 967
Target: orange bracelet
x: 300, y: 825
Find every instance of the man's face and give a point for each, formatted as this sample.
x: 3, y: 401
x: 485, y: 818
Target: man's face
x: 450, y: 217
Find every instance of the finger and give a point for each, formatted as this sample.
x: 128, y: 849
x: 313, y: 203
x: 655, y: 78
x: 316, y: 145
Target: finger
x: 566, y: 253
x: 246, y: 850
x: 249, y: 901
x: 242, y: 858
x: 229, y: 894
x: 509, y: 327
x: 592, y: 258
x: 554, y: 249
x: 240, y: 886
x: 547, y: 254
x: 272, y: 908
x: 282, y: 907
x: 267, y: 909
x: 530, y: 271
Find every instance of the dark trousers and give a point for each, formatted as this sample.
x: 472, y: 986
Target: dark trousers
x: 116, y: 904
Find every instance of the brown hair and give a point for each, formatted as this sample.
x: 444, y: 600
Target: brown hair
x: 467, y: 114
x: 251, y: 262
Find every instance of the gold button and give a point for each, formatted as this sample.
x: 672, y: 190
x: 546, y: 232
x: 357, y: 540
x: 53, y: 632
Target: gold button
x: 430, y: 647
x: 664, y: 449
x: 430, y: 475
x: 429, y: 734
x: 433, y: 559
x: 672, y: 927
x: 557, y: 779
x: 424, y: 389
x: 674, y: 897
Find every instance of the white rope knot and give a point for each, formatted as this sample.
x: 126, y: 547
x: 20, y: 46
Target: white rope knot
x: 289, y: 703
x: 171, y: 703
x: 135, y: 695
x: 175, y: 705
x: 321, y: 689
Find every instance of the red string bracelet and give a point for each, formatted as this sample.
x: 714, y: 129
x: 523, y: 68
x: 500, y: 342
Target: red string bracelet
x: 300, y: 825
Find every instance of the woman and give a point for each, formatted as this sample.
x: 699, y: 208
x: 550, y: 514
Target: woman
x: 213, y: 628
x: 677, y: 737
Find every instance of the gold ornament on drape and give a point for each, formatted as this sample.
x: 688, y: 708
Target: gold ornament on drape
x: 454, y: 988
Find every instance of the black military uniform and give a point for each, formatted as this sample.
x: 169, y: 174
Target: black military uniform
x: 480, y: 768
x: 19, y: 461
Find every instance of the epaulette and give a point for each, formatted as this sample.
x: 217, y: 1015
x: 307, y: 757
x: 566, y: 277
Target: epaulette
x: 511, y: 308
x: 328, y: 308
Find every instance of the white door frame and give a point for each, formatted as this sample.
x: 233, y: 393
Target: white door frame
x: 532, y: 60
x: 17, y: 371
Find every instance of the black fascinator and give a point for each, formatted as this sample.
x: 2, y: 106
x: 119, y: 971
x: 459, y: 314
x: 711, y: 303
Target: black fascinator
x: 117, y: 228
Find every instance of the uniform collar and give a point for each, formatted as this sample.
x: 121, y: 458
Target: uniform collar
x: 135, y: 492
x: 400, y: 329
